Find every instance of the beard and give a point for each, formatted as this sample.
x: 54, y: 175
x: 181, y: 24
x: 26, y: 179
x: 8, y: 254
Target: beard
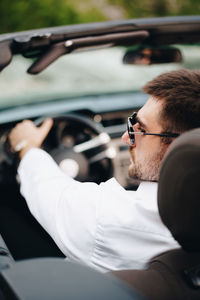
x: 148, y: 168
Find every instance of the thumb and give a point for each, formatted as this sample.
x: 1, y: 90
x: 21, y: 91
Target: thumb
x: 45, y: 127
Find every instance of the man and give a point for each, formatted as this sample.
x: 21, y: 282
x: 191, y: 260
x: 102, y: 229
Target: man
x: 104, y: 226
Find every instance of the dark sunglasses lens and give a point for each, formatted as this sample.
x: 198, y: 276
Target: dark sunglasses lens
x: 133, y: 118
x: 130, y: 130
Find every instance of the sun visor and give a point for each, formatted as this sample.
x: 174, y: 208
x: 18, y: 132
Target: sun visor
x: 79, y: 44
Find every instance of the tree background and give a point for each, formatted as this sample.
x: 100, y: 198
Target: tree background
x: 19, y: 15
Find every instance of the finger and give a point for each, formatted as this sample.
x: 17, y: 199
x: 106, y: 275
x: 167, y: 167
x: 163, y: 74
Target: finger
x: 46, y: 127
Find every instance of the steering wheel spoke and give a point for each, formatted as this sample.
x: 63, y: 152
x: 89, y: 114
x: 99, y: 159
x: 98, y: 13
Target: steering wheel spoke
x: 108, y: 153
x: 102, y: 139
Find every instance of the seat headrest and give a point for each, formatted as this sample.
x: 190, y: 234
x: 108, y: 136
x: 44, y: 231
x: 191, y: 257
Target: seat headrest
x: 179, y: 190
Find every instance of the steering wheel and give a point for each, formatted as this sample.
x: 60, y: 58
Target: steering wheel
x: 80, y: 148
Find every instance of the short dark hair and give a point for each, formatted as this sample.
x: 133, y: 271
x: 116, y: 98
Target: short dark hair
x: 180, y: 92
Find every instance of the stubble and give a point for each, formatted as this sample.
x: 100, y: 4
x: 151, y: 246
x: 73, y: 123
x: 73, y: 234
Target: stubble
x: 148, y: 168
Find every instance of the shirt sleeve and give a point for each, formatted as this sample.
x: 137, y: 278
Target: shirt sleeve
x: 66, y: 208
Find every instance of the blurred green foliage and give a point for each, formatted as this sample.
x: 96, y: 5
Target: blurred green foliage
x: 18, y: 15
x: 142, y: 8
x: 156, y: 8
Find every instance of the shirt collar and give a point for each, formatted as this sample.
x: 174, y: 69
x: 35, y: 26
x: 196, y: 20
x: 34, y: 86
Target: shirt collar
x: 148, y: 190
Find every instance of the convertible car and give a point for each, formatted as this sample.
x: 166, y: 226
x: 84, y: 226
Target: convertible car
x: 87, y: 78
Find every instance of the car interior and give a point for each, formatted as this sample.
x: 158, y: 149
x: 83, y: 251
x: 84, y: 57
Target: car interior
x: 88, y: 78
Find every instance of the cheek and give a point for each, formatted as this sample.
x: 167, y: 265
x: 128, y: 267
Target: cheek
x: 146, y: 146
x: 141, y: 144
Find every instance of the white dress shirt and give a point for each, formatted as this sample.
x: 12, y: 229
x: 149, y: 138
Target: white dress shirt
x: 102, y: 226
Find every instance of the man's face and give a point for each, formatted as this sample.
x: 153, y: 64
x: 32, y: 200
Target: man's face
x: 148, y: 150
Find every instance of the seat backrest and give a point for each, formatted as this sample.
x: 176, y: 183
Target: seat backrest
x: 179, y: 190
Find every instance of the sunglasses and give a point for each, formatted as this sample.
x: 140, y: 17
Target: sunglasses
x: 133, y: 120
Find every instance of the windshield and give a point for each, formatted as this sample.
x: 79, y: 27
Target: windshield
x: 84, y: 73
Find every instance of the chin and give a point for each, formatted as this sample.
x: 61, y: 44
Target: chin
x: 132, y: 172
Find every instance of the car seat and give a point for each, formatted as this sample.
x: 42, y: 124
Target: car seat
x: 175, y: 274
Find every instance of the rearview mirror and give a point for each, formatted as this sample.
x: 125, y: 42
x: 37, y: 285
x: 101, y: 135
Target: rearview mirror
x: 148, y: 56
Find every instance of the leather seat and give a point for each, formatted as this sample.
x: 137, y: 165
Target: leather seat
x: 176, y: 274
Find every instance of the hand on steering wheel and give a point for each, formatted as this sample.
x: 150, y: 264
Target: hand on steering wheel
x: 27, y: 135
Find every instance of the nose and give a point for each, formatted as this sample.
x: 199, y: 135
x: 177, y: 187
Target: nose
x: 126, y: 139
